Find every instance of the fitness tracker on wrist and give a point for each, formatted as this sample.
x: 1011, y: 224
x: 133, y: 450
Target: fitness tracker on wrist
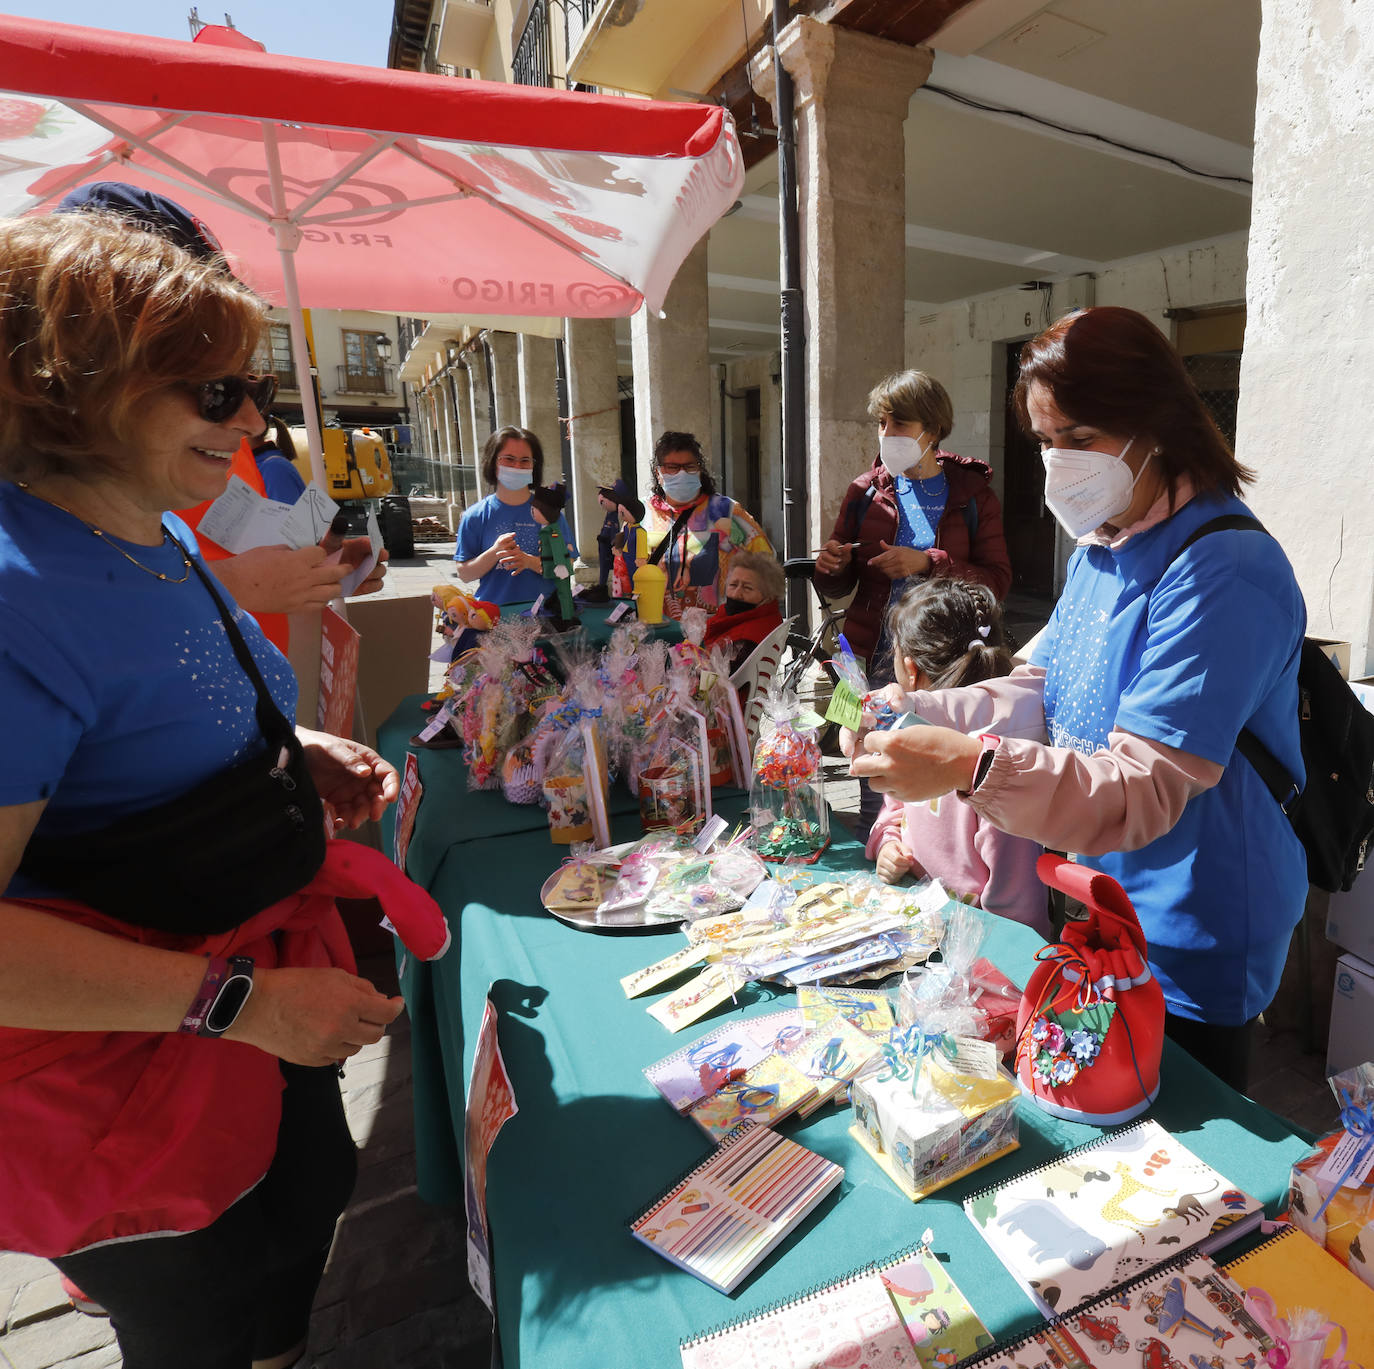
x: 219, y: 1000
x: 990, y: 744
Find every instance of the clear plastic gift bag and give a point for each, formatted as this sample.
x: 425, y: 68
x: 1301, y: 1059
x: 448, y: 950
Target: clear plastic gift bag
x: 787, y: 809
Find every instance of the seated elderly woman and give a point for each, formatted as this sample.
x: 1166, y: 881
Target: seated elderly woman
x: 750, y: 612
x: 176, y: 988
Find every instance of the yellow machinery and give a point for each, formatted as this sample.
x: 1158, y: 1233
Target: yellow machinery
x: 356, y: 462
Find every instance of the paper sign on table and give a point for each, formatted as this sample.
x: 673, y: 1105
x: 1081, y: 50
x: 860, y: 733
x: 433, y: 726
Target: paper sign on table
x: 407, y: 805
x: 490, y: 1105
x: 340, y: 646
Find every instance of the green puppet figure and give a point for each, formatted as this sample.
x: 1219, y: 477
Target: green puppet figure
x: 545, y: 505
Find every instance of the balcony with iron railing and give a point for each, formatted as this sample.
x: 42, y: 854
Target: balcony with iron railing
x: 530, y: 65
x: 378, y: 380
x: 579, y: 16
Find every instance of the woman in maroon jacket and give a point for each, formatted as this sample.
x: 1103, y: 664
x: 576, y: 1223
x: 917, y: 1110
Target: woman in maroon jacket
x: 918, y: 511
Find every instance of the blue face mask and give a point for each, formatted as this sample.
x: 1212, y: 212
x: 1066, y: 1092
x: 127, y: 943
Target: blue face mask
x: 682, y: 486
x: 513, y: 477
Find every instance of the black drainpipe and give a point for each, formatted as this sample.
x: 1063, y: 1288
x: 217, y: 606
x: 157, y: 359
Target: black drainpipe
x: 794, y: 538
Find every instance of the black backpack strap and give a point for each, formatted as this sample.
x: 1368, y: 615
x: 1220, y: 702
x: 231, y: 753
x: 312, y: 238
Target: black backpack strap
x: 1276, y: 778
x: 858, y: 511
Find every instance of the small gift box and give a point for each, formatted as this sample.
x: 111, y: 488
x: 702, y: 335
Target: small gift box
x: 1331, y: 1189
x: 934, y: 1110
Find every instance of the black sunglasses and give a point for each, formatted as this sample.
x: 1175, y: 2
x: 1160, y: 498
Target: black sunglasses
x: 219, y: 400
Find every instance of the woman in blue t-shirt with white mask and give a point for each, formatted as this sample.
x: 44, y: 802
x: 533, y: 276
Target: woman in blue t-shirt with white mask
x: 1118, y: 741
x: 498, y: 539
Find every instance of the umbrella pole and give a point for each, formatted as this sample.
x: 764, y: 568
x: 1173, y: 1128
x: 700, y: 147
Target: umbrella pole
x: 288, y: 235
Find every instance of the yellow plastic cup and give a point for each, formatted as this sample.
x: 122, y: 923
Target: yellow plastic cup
x: 651, y: 583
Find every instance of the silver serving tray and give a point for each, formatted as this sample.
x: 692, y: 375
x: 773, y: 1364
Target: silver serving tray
x: 634, y: 920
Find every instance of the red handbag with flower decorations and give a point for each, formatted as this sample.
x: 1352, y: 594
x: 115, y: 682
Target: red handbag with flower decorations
x: 1090, y: 1029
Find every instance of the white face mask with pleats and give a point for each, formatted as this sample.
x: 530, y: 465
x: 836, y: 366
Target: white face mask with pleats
x: 899, y: 454
x: 1084, y: 489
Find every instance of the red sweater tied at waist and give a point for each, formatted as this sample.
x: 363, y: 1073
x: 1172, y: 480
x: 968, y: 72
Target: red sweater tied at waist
x: 112, y: 1135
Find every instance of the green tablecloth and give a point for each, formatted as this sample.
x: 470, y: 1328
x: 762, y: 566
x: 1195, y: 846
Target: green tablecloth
x: 593, y: 1142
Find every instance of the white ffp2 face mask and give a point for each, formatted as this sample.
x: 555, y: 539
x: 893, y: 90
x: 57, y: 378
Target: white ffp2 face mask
x: 1085, y: 489
x: 899, y: 454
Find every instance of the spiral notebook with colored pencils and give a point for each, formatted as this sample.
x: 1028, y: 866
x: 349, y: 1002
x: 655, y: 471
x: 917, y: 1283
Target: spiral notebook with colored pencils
x: 721, y: 1219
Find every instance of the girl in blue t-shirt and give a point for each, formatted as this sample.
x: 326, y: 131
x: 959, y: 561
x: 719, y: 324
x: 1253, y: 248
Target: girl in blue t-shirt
x: 1118, y: 741
x: 498, y: 539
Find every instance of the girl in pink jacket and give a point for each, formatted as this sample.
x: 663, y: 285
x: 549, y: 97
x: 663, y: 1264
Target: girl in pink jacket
x: 947, y: 633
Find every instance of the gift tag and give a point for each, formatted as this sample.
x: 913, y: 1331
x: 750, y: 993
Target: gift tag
x: 533, y: 610
x: 438, y: 722
x: 619, y: 611
x: 846, y: 708
x: 974, y: 1057
x: 1347, y: 1152
x: 706, y: 838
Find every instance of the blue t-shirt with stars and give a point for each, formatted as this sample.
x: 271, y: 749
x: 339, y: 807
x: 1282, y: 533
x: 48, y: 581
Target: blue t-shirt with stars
x: 119, y: 691
x: 1187, y: 654
x: 489, y: 519
x: 920, y: 506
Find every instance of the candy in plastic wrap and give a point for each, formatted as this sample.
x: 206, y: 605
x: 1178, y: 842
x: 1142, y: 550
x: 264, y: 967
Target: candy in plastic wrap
x: 1331, y: 1189
x: 787, y: 809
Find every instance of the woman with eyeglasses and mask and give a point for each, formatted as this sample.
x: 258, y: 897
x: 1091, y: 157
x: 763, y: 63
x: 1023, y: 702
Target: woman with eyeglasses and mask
x: 498, y: 538
x: 691, y: 530
x: 176, y: 987
x: 1118, y: 741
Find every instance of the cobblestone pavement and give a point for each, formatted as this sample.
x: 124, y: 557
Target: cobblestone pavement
x: 396, y: 1290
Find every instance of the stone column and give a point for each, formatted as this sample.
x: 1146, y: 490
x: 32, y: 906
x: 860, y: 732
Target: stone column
x: 594, y: 398
x: 672, y: 369
x: 505, y: 378
x: 465, y: 456
x: 539, y: 399
x: 478, y: 399
x: 1309, y: 348
x: 851, y: 98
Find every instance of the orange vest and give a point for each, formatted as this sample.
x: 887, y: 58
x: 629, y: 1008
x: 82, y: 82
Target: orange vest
x: 245, y: 466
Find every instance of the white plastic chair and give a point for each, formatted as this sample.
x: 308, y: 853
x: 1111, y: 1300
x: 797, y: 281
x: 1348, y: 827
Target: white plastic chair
x: 757, y: 671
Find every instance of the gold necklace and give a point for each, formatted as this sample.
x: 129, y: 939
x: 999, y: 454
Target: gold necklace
x: 104, y: 537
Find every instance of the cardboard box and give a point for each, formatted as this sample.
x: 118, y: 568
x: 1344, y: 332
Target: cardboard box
x: 1338, y: 651
x: 1352, y: 1015
x: 1350, y: 918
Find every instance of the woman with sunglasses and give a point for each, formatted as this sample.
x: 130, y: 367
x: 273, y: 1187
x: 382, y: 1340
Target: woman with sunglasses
x: 692, y: 531
x: 271, y: 582
x: 176, y: 988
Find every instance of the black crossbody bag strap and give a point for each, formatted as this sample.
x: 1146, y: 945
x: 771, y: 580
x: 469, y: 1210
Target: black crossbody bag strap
x: 1276, y: 778
x: 671, y: 535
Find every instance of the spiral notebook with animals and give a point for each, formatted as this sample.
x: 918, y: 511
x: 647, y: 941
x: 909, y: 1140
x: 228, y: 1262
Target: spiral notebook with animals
x: 1186, y: 1314
x: 1106, y: 1212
